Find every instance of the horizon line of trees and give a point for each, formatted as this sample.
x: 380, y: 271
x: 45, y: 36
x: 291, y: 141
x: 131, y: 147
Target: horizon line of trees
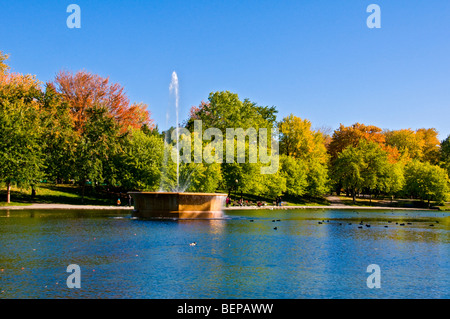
x: 81, y: 128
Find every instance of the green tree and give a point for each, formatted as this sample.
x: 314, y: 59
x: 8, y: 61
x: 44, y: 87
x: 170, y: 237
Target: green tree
x: 224, y: 110
x: 426, y: 181
x: 20, y: 126
x: 96, y: 146
x: 299, y: 141
x: 445, y: 154
x: 362, y: 167
x: 58, y: 137
x: 139, y: 163
x: 295, y: 172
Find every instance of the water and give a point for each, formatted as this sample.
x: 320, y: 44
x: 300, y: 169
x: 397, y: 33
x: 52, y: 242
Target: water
x: 122, y: 257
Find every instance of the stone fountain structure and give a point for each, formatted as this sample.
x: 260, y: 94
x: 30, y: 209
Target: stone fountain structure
x: 177, y: 205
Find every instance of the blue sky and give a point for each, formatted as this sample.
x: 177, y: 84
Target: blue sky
x: 315, y: 59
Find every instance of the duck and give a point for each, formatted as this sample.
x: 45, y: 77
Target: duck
x: 193, y: 244
x: 275, y: 228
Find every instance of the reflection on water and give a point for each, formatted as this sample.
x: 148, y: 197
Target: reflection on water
x: 310, y: 254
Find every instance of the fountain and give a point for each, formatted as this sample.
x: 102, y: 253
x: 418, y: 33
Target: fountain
x: 177, y: 203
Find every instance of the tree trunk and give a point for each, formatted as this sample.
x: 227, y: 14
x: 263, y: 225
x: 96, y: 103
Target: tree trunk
x: 354, y: 196
x: 83, y: 188
x: 8, y: 192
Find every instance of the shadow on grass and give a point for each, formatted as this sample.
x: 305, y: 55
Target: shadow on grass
x: 287, y: 200
x: 57, y: 194
x: 377, y: 202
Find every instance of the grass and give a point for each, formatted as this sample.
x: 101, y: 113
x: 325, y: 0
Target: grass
x: 287, y: 200
x: 47, y: 193
x: 384, y: 202
x: 14, y: 204
x: 57, y: 194
x: 445, y: 208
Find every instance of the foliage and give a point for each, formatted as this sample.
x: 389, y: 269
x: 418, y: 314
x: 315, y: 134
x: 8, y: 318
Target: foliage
x: 366, y: 166
x: 421, y: 144
x: 351, y: 135
x: 139, y: 163
x: 20, y: 126
x: 3, y: 66
x: 295, y: 172
x: 84, y: 91
x: 299, y: 141
x: 426, y: 181
x: 445, y: 154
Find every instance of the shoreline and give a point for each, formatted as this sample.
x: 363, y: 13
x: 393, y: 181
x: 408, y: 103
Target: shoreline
x: 65, y: 206
x: 101, y: 207
x: 343, y: 207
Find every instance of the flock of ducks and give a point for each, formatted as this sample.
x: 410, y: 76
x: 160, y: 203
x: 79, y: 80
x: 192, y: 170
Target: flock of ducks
x: 361, y: 225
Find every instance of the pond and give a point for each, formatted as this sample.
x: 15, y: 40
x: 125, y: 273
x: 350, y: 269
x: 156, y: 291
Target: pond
x: 248, y: 254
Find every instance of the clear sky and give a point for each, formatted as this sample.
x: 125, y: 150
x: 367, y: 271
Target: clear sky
x: 316, y: 59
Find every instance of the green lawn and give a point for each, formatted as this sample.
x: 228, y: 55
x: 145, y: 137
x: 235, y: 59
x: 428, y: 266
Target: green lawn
x: 14, y: 204
x: 407, y: 203
x: 56, y: 194
x: 287, y: 200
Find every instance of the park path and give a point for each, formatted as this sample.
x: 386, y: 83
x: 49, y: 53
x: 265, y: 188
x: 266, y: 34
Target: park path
x: 335, y: 201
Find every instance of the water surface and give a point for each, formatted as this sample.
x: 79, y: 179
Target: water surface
x: 240, y: 256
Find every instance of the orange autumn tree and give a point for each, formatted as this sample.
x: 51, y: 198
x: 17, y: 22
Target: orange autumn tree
x: 84, y: 90
x: 351, y: 136
x: 422, y: 144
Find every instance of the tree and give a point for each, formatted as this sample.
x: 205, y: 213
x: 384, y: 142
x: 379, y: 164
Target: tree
x: 445, y: 154
x: 295, y: 172
x: 3, y: 66
x: 421, y: 144
x: 307, y: 146
x: 362, y: 167
x: 299, y: 140
x: 84, y: 91
x: 426, y: 181
x: 96, y: 147
x: 393, y: 181
x: 431, y: 145
x: 224, y: 110
x: 351, y: 135
x: 58, y: 136
x: 406, y: 141
x: 20, y: 127
x: 139, y: 164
